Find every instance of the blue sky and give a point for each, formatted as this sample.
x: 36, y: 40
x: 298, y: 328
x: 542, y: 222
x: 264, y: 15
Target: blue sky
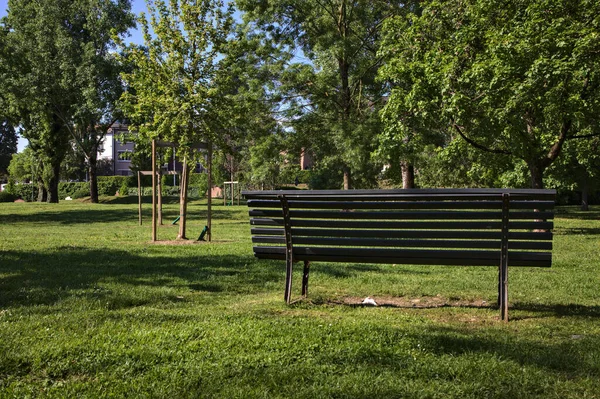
x: 136, y: 37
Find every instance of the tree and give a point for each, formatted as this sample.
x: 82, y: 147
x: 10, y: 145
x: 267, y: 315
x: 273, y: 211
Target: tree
x: 54, y: 53
x: 98, y: 84
x: 176, y: 88
x: 519, y: 79
x: 578, y: 168
x: 331, y: 101
x: 8, y: 144
x: 41, y: 70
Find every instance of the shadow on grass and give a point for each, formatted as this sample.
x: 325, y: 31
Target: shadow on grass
x: 577, y: 231
x: 105, y: 214
x: 122, y: 279
x: 558, y: 310
x: 566, y: 213
x: 422, y: 360
x: 558, y: 355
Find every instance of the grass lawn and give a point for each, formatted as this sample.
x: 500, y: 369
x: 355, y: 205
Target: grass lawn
x: 90, y: 308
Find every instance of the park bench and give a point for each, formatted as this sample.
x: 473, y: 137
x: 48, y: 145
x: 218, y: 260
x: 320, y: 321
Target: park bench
x: 462, y: 227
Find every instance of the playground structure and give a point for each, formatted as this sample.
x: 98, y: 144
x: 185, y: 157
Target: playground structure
x: 231, y: 186
x: 156, y: 188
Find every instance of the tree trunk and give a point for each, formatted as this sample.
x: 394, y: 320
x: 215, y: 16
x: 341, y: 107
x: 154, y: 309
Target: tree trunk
x: 408, y: 174
x: 209, y: 199
x: 92, y: 170
x: 347, y: 183
x: 537, y: 175
x: 585, y: 193
x: 53, y: 182
x: 42, y: 192
x: 183, y: 201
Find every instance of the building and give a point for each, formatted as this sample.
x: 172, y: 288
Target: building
x: 118, y: 153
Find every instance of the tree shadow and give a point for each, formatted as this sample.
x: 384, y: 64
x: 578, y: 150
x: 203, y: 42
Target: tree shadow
x: 105, y: 214
x: 352, y: 269
x: 576, y: 231
x: 592, y: 214
x: 33, y: 278
x: 564, y: 356
x: 430, y: 357
x: 557, y: 310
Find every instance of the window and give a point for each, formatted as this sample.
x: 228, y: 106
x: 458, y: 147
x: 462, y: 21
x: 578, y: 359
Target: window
x: 124, y: 155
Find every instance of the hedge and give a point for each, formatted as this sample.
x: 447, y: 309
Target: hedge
x: 5, y: 196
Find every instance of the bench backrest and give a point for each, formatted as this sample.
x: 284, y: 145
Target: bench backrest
x: 435, y: 226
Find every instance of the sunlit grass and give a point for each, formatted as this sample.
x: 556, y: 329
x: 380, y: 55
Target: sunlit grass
x: 89, y: 307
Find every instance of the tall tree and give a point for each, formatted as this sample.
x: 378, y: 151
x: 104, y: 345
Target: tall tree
x: 41, y: 70
x: 519, y: 79
x: 332, y: 98
x: 176, y: 86
x: 8, y: 144
x: 55, y: 74
x: 98, y: 84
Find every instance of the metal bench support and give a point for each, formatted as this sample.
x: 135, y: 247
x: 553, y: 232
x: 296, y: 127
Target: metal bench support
x: 305, y: 278
x: 503, y: 269
x: 289, y: 248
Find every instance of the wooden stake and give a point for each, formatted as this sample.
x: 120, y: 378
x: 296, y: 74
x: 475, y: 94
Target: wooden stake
x: 153, y: 190
x: 139, y: 175
x: 159, y: 187
x: 209, y: 202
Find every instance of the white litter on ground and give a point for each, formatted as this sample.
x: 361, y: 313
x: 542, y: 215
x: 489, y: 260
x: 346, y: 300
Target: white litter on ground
x: 369, y: 301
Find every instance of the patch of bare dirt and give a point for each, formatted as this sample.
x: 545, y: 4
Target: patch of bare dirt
x: 420, y: 302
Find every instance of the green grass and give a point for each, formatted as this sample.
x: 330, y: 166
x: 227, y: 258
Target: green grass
x: 90, y: 308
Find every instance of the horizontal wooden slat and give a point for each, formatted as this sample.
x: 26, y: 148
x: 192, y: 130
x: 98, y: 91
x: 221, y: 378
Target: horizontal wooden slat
x: 404, y: 225
x: 373, y: 242
x: 424, y: 257
x: 415, y: 205
x: 487, y: 235
x: 416, y: 194
x: 406, y: 215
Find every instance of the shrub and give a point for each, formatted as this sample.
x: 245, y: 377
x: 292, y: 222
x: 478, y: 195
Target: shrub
x: 5, y: 196
x: 68, y: 189
x: 108, y: 185
x: 81, y: 193
x: 124, y: 189
x: 198, y: 185
x: 24, y: 191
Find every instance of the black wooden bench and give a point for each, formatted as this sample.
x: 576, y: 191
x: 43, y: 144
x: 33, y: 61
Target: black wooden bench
x: 467, y: 227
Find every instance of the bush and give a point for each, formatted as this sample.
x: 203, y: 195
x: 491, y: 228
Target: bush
x: 124, y: 189
x: 5, y: 196
x: 109, y: 185
x: 24, y: 191
x: 198, y: 185
x: 68, y: 189
x: 81, y: 193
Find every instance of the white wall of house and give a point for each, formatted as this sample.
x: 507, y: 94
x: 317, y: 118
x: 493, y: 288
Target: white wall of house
x: 105, y: 151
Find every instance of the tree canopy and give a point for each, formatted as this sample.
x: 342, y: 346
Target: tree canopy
x: 54, y: 54
x: 519, y: 79
x: 331, y: 98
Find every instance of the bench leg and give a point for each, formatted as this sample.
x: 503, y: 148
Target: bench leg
x: 305, y: 278
x: 288, y: 280
x: 503, y: 291
x: 503, y: 270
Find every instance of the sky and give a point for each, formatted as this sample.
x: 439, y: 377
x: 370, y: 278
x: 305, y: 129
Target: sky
x: 136, y: 37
